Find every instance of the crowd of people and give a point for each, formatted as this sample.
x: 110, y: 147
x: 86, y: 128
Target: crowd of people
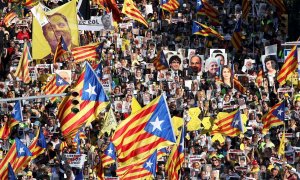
x: 204, y: 72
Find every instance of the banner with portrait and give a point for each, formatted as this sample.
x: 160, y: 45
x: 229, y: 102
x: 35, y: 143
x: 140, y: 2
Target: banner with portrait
x: 97, y: 23
x: 62, y: 22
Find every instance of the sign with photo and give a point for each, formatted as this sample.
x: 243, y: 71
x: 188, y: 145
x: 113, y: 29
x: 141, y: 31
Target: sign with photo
x: 75, y: 160
x: 97, y: 23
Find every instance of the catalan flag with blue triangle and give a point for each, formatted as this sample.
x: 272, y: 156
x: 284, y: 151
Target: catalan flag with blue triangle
x: 146, y: 169
x: 56, y: 85
x: 237, y: 36
x: 16, y: 115
x: 143, y: 132
x: 274, y: 117
x: 91, y: 102
x: 18, y: 155
x: 160, y: 62
x: 77, y: 141
x: 109, y: 155
x: 38, y: 145
x: 11, y: 173
x: 61, y: 49
x: 201, y: 29
x: 229, y: 124
x: 98, y: 70
x: 176, y: 158
x: 204, y: 8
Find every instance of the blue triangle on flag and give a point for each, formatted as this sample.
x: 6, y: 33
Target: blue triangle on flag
x: 110, y: 151
x: 199, y: 5
x: 237, y: 121
x: 11, y: 173
x: 150, y: 164
x: 17, y: 112
x: 159, y: 123
x: 279, y: 112
x: 42, y: 141
x: 60, y: 81
x: 92, y: 88
x: 21, y: 149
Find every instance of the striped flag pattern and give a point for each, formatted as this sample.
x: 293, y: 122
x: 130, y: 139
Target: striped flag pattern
x: 30, y: 3
x: 139, y: 135
x: 288, y: 67
x: 204, y: 8
x: 16, y: 115
x: 229, y: 124
x: 87, y: 52
x: 201, y: 29
x: 160, y: 62
x: 56, y: 85
x: 170, y: 5
x: 38, y: 145
x: 9, y: 17
x: 109, y: 155
x: 259, y: 78
x: 16, y: 155
x: 273, y: 117
x: 237, y: 36
x: 5, y: 131
x: 22, y: 71
x: 246, y: 6
x: 92, y: 100
x: 130, y: 10
x: 60, y: 49
x: 176, y: 158
x: 279, y: 4
x: 238, y: 85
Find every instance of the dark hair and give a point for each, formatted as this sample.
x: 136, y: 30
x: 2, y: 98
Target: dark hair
x: 173, y: 58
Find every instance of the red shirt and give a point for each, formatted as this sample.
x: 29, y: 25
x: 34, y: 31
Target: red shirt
x: 22, y: 35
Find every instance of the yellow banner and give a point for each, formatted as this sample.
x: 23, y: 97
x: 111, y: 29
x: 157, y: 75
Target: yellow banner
x: 62, y: 22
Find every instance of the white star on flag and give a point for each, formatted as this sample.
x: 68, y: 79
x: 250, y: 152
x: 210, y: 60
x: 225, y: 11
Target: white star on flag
x: 97, y: 71
x: 280, y: 111
x: 60, y: 81
x: 110, y: 151
x: 199, y: 3
x: 156, y: 124
x: 236, y: 123
x: 21, y: 150
x: 14, y: 111
x: 149, y: 164
x: 91, y: 90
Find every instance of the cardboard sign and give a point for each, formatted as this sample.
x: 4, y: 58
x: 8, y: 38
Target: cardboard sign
x: 97, y: 23
x: 75, y: 160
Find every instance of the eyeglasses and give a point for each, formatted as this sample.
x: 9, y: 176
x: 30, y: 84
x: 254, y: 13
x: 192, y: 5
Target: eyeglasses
x: 214, y: 160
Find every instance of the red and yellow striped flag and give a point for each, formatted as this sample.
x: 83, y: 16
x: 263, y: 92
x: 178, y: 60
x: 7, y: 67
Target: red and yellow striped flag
x: 87, y: 52
x: 259, y: 78
x: 5, y: 131
x: 130, y: 10
x: 288, y: 67
x: 272, y: 118
x: 237, y: 36
x: 9, y: 17
x: 22, y: 71
x: 30, y: 3
x: 204, y: 8
x: 56, y: 85
x: 170, y: 6
x: 143, y: 132
x: 246, y: 6
x: 238, y: 85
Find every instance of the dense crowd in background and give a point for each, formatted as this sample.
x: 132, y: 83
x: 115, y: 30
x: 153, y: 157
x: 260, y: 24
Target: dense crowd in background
x: 196, y: 65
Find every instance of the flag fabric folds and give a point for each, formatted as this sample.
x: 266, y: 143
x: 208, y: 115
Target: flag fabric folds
x: 259, y: 78
x: 9, y: 17
x: 113, y: 7
x: 237, y: 36
x: 201, y: 29
x: 30, y: 3
x: 246, y: 6
x: 281, y: 149
x: 274, y: 117
x: 11, y: 173
x: 279, y: 4
x: 16, y: 155
x: 289, y: 66
x: 5, y: 131
x: 160, y: 62
x: 38, y: 145
x: 139, y: 135
x: 135, y: 105
x: 130, y: 10
x: 87, y: 52
x: 22, y: 70
x: 110, y: 122
x: 229, y: 124
x: 170, y: 5
x: 109, y: 155
x: 83, y: 7
x: 92, y: 100
x: 204, y: 8
x: 60, y: 49
x: 56, y: 85
x: 176, y: 158
x: 238, y: 85
x: 16, y: 115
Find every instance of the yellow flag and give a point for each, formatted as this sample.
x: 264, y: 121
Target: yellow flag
x: 218, y: 137
x: 177, y: 123
x: 62, y: 22
x: 135, y: 106
x: 110, y: 122
x: 206, y: 123
x: 194, y: 123
x: 282, y: 144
